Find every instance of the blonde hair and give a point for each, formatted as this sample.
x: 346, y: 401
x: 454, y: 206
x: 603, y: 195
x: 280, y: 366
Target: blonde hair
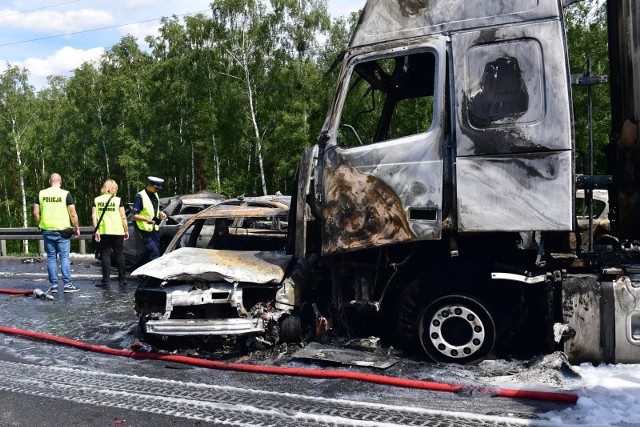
x: 109, y: 186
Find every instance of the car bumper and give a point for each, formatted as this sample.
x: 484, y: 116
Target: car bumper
x: 204, y: 327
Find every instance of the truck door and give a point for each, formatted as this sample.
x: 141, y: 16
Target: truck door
x: 514, y: 167
x: 382, y: 166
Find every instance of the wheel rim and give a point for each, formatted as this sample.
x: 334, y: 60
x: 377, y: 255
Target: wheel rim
x: 456, y: 329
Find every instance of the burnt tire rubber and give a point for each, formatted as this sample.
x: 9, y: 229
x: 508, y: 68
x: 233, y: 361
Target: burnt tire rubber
x: 151, y: 339
x: 291, y: 329
x: 608, y: 240
x: 406, y: 315
x: 140, y: 329
x: 457, y: 329
x: 140, y: 333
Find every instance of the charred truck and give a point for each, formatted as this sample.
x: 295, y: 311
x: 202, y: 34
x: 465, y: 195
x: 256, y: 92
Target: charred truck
x: 438, y: 207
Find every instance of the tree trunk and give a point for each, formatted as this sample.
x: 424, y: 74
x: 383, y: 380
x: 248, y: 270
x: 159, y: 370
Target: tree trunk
x: 6, y: 199
x: 193, y: 158
x: 216, y: 160
x: 23, y: 194
x: 254, y: 121
x: 102, y: 141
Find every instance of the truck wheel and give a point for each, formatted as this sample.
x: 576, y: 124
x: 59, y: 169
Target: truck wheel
x: 458, y: 329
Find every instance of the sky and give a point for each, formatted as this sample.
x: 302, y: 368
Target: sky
x: 56, y: 36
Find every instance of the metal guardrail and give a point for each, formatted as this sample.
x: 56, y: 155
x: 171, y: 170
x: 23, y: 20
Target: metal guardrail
x: 32, y: 233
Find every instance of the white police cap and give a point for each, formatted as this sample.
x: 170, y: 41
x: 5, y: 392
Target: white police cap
x: 155, y: 181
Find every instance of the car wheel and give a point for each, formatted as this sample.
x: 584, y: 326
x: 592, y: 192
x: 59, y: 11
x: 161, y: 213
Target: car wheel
x: 291, y: 329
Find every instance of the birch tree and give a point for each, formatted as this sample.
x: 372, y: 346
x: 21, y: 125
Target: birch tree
x: 17, y: 113
x: 256, y: 40
x: 240, y: 30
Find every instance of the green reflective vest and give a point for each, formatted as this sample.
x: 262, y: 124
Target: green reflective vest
x: 111, y: 221
x: 54, y: 214
x: 148, y: 212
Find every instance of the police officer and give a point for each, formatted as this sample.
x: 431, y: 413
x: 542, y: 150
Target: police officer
x: 147, y: 215
x: 112, y: 230
x: 52, y: 211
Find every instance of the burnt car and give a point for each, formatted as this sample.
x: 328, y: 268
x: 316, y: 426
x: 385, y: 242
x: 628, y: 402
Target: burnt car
x: 600, y: 219
x: 178, y: 209
x: 219, y: 276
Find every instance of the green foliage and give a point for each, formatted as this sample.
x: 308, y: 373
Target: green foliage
x: 587, y: 41
x: 18, y: 118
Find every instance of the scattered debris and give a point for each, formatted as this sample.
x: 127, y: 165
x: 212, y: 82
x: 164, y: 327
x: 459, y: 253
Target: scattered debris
x: 552, y: 369
x: 370, y: 344
x: 344, y: 356
x: 559, y: 330
x: 141, y: 346
x: 40, y: 294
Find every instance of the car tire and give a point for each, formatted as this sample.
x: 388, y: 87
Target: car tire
x: 290, y: 329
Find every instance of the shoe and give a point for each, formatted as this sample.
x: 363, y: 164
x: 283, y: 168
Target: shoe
x: 70, y: 288
x: 101, y: 284
x: 53, y: 289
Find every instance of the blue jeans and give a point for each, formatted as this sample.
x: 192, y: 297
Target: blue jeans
x: 55, y: 244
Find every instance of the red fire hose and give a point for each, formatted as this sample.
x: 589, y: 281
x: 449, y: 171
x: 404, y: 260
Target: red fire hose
x: 15, y: 292
x: 312, y: 373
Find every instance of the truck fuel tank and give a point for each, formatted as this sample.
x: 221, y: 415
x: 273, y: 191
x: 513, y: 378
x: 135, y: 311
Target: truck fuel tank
x: 603, y: 317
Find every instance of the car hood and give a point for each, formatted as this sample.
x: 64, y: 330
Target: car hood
x: 214, y: 265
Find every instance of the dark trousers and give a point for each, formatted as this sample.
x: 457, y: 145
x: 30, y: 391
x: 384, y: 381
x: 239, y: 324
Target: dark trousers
x: 109, y: 242
x: 151, y: 249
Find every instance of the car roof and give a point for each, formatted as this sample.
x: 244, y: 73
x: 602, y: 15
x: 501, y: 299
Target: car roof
x: 205, y: 194
x: 202, y: 195
x: 200, y: 201
x: 260, y: 200
x: 249, y: 211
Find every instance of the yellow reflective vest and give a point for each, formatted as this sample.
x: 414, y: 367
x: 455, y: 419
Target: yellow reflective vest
x: 54, y: 214
x: 148, y: 212
x: 112, y: 221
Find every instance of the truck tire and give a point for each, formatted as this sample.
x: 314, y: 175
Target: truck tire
x: 457, y: 329
x: 405, y: 317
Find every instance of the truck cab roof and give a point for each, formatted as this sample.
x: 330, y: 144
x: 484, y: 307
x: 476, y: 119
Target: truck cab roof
x: 386, y: 20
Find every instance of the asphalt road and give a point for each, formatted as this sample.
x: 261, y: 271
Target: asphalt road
x: 42, y: 383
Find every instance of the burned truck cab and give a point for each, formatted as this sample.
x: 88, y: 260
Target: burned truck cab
x: 449, y: 137
x: 440, y: 198
x: 451, y: 119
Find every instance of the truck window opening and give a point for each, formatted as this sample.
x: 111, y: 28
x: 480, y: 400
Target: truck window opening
x: 389, y: 98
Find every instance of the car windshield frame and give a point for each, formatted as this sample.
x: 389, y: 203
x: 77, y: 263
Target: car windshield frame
x: 227, y: 212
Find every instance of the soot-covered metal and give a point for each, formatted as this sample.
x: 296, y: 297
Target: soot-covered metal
x: 361, y: 211
x: 503, y: 93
